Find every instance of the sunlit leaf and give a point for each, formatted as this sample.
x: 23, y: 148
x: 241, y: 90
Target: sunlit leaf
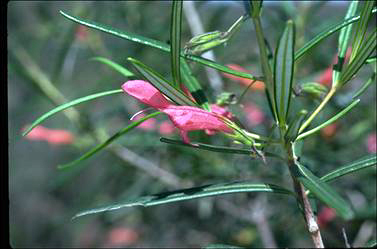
x: 191, y: 193
x: 117, y: 67
x: 67, y: 105
x: 108, y: 141
x: 283, y: 72
x: 162, y: 84
x: 175, y: 41
x: 323, y: 192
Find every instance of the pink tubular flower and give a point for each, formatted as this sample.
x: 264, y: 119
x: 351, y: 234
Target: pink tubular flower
x: 257, y: 85
x: 54, y: 137
x: 185, y: 118
x: 166, y: 128
x: 371, y: 143
x: 148, y: 125
x: 253, y: 114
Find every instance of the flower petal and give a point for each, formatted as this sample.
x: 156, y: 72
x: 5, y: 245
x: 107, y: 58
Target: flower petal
x: 146, y: 93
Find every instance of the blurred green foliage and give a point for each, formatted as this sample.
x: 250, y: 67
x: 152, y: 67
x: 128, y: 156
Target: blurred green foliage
x: 43, y: 199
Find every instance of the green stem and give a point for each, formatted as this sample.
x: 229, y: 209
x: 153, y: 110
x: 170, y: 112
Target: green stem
x: 319, y: 108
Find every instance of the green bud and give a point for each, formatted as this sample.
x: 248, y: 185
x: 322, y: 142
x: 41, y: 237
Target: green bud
x: 226, y: 98
x: 313, y: 89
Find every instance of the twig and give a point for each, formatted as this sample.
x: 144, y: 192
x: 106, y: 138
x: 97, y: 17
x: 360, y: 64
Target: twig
x: 345, y: 238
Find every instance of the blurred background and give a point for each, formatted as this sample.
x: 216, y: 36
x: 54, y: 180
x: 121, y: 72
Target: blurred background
x: 49, y: 64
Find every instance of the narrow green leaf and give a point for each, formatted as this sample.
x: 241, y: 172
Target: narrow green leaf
x: 283, y: 71
x: 117, y: 67
x: 330, y: 121
x: 361, y: 29
x: 108, y: 141
x: 216, y: 148
x: 344, y: 37
x: 357, y: 165
x: 372, y: 243
x: 155, y: 44
x: 221, y: 246
x: 362, y: 89
x: 175, y: 42
x: 332, y: 29
x: 191, y: 193
x: 162, y: 84
x: 367, y: 48
x: 324, y: 192
x: 371, y: 59
x: 67, y: 105
x: 256, y: 8
x: 193, y: 85
x: 294, y: 126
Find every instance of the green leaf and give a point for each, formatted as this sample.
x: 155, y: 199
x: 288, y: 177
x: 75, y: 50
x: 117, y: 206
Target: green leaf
x: 323, y: 192
x: 283, y: 71
x: 361, y: 29
x: 372, y: 243
x: 256, y: 8
x: 193, y: 85
x: 318, y: 38
x: 221, y: 246
x: 155, y: 44
x: 191, y: 193
x: 216, y: 148
x: 294, y: 126
x: 162, y: 84
x: 175, y: 41
x: 330, y: 121
x: 362, y: 89
x: 67, y: 105
x: 117, y: 67
x: 344, y: 37
x: 108, y: 141
x: 367, y: 48
x: 357, y: 165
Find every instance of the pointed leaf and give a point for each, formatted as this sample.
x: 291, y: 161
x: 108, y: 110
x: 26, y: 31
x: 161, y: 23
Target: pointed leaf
x: 67, y: 105
x: 283, y: 72
x: 175, y: 41
x: 318, y: 38
x: 216, y: 148
x: 367, y: 48
x: 323, y: 192
x: 362, y: 89
x: 162, y: 84
x: 117, y: 67
x: 191, y: 193
x: 107, y: 142
x: 155, y: 44
x: 361, y: 29
x: 344, y: 37
x: 330, y: 121
x: 193, y: 85
x: 357, y: 165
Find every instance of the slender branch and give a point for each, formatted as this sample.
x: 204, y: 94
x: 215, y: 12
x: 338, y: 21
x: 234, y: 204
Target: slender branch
x: 310, y: 220
x: 319, y: 108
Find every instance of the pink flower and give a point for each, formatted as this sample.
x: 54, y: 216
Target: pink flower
x: 148, y: 125
x: 254, y: 115
x: 185, y: 118
x: 121, y: 236
x: 54, y: 137
x: 326, y: 77
x: 325, y: 216
x: 166, y: 128
x: 257, y: 85
x: 371, y: 143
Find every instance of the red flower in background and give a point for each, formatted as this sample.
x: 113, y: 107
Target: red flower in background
x: 148, y: 125
x: 185, y: 118
x: 257, y: 85
x: 325, y: 216
x: 326, y: 77
x: 371, y: 143
x: 54, y: 137
x: 254, y: 114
